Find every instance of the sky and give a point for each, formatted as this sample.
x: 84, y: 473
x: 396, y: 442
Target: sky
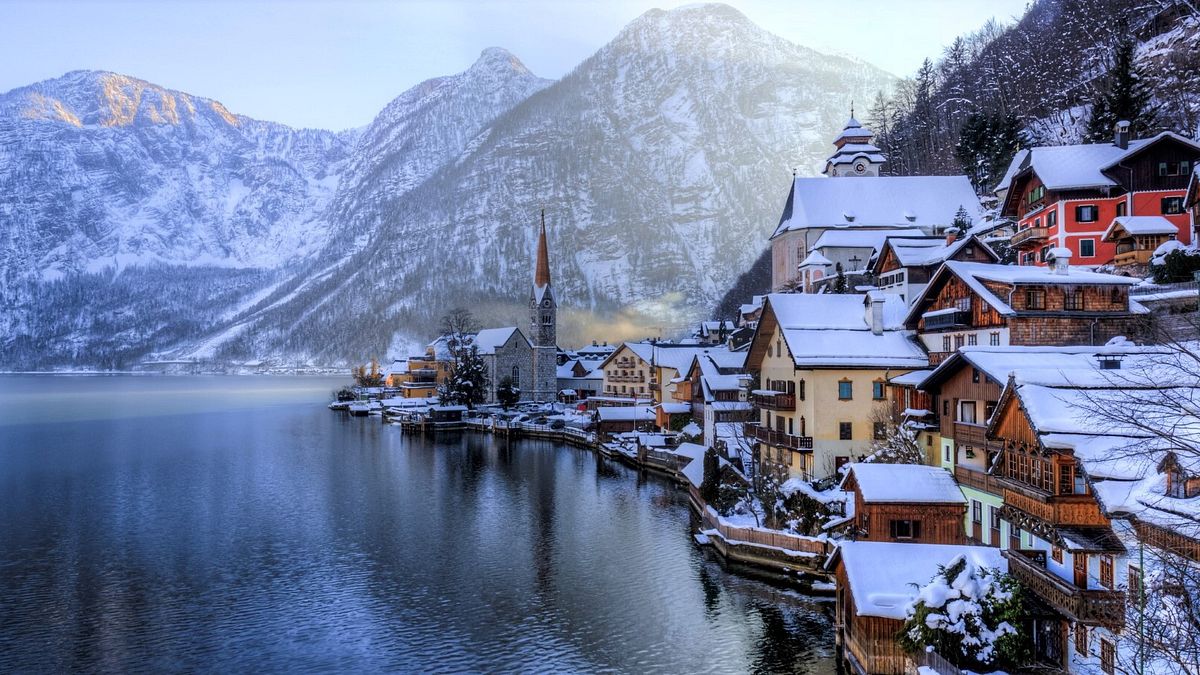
x: 334, y: 65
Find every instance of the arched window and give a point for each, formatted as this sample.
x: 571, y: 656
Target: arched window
x: 516, y: 374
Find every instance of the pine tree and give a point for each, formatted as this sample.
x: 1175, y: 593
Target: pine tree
x: 467, y: 382
x: 1122, y: 94
x: 840, y: 284
x: 507, y: 392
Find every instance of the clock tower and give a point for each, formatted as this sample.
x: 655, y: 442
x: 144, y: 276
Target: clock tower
x: 543, y: 325
x: 855, y: 156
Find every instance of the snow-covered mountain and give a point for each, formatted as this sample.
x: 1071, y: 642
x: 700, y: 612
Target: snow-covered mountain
x: 661, y: 162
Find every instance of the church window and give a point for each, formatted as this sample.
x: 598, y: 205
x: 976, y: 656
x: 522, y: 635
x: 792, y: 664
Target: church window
x: 516, y: 374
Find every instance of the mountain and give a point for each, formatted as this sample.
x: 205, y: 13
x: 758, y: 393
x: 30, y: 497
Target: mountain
x: 661, y: 162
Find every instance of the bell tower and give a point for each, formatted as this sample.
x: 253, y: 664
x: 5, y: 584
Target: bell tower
x: 543, y: 324
x: 854, y: 154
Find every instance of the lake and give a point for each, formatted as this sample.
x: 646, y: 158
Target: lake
x: 236, y: 524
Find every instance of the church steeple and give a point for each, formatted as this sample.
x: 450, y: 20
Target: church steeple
x: 541, y: 276
x: 855, y: 155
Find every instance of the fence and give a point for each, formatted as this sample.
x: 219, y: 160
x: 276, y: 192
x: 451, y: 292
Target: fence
x: 763, y: 537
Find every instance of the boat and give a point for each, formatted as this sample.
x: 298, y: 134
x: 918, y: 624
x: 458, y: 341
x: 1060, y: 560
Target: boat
x: 359, y: 408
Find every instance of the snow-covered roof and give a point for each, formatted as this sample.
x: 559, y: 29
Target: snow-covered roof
x: 924, y: 251
x: 489, y: 340
x: 884, y: 577
x: 675, y: 408
x: 923, y: 202
x: 1140, y: 225
x: 854, y: 129
x: 830, y: 330
x: 861, y: 238
x: 677, y: 357
x: 998, y: 362
x: 912, y: 378
x: 625, y: 413
x: 815, y: 259
x: 1063, y: 167
x: 908, y: 483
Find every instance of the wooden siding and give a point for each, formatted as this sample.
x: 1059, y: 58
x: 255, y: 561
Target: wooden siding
x: 870, y: 641
x: 961, y: 387
x: 940, y: 523
x: 982, y: 314
x: 1142, y: 172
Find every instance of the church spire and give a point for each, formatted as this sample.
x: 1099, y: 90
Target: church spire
x: 541, y: 276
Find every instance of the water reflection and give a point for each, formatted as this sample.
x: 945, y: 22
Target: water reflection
x: 207, y: 533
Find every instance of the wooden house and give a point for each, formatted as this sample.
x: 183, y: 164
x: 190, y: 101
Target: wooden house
x: 875, y: 583
x: 1067, y: 196
x: 909, y: 503
x: 904, y: 265
x: 1136, y: 237
x: 969, y: 304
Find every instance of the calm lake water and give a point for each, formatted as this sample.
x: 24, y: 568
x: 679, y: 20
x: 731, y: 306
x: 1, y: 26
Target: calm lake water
x: 235, y: 524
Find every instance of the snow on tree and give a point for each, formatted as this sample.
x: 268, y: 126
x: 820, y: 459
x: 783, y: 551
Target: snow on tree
x: 507, y: 392
x: 895, y: 441
x: 971, y: 616
x: 1121, y: 95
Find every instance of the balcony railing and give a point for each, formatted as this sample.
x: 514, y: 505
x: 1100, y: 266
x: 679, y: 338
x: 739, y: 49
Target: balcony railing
x: 1030, y: 235
x: 778, y: 401
x: 1054, y: 509
x: 947, y: 318
x: 974, y: 434
x: 778, y: 439
x: 978, y: 480
x: 626, y: 378
x: 1093, y: 608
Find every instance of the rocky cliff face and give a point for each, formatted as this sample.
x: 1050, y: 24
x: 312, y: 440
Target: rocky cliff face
x: 661, y: 162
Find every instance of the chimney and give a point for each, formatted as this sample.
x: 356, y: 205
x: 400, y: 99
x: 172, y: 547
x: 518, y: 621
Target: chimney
x: 875, y: 300
x: 1121, y: 134
x: 951, y: 235
x: 1060, y: 260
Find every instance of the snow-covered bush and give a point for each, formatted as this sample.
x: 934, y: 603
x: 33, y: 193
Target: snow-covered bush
x: 1174, y: 262
x: 971, y: 616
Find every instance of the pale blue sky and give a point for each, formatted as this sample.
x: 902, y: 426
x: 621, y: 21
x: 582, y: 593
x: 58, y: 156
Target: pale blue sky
x: 334, y: 65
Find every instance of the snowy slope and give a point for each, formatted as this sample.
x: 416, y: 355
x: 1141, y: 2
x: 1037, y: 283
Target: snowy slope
x: 661, y: 161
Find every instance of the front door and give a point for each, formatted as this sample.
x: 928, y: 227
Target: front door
x: 1081, y: 565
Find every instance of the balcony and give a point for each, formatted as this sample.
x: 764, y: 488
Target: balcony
x: 946, y: 318
x: 1030, y: 236
x: 1080, y: 510
x: 776, y: 401
x: 627, y: 378
x: 777, y: 438
x: 973, y: 434
x: 1134, y: 257
x: 977, y: 480
x: 1092, y: 608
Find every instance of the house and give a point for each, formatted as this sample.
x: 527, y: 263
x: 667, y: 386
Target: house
x: 1067, y: 196
x: 715, y: 385
x: 876, y: 581
x: 419, y: 375
x: 908, y: 503
x: 823, y: 362
x: 622, y: 419
x: 629, y: 371
x: 579, y: 379
x: 854, y: 196
x: 969, y: 303
x: 670, y: 362
x: 713, y: 332
x: 1136, y: 237
x: 849, y: 249
x: 903, y: 265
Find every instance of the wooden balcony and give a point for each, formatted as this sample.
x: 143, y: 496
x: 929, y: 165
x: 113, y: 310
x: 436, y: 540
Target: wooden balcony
x: 949, y: 318
x: 1081, y: 510
x: 977, y: 480
x: 1030, y: 236
x: 1134, y: 257
x: 778, y: 439
x: 1092, y: 608
x: 627, y: 378
x: 786, y: 402
x: 973, y: 434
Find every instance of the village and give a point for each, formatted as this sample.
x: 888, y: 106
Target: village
x: 974, y: 422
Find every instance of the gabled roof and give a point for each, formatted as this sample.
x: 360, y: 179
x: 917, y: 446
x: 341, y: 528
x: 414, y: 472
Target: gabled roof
x: 1066, y: 167
x: 1139, y: 226
x: 999, y: 362
x: 903, y: 483
x: 831, y: 330
x: 973, y: 274
x: 861, y: 238
x: 923, y: 202
x: 643, y: 350
x: 929, y: 251
x: 489, y: 340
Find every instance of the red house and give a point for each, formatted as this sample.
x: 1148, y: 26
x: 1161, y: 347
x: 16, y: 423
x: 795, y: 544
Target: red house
x: 1069, y: 195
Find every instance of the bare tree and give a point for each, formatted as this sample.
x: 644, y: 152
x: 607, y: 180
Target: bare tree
x: 895, y: 439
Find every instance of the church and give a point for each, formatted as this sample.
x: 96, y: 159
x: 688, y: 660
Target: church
x: 855, y: 204
x: 531, y: 361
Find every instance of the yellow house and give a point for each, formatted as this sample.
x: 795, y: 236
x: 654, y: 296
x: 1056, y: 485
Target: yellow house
x: 629, y: 372
x: 821, y: 364
x: 420, y: 375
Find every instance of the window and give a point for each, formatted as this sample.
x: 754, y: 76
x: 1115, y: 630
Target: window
x: 990, y: 410
x: 1135, y: 584
x: 1087, y: 248
x: 958, y: 340
x: 1037, y: 193
x: 1052, y: 219
x: 905, y: 529
x: 1035, y: 298
x: 1176, y: 487
x: 994, y: 338
x: 1115, y: 297
x: 975, y: 375
x: 945, y: 343
x: 945, y: 453
x: 977, y: 511
x: 945, y: 408
x: 1056, y: 554
x: 972, y: 340
x: 1014, y: 537
x: 880, y: 431
x: 1106, y: 571
x: 1044, y: 253
x: 1073, y: 300
x: 845, y: 390
x: 877, y: 391
x: 994, y: 517
x: 516, y: 375
x: 1081, y: 638
x: 1108, y: 656
x: 1086, y: 213
x: 966, y: 412
x: 1122, y: 209
x: 1172, y: 205
x: 1174, y: 168
x: 844, y: 431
